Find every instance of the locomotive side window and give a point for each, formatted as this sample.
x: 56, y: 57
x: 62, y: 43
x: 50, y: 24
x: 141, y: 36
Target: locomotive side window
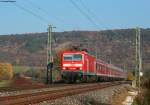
x: 77, y: 57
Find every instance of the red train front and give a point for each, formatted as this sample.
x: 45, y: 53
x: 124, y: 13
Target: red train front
x: 79, y: 66
x: 73, y: 65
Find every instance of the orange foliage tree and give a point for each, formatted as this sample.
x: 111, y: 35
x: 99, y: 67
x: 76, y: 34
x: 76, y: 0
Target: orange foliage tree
x: 6, y: 71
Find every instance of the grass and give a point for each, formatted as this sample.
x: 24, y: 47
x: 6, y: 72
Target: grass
x: 37, y: 73
x: 143, y: 97
x: 20, y: 69
x: 4, y: 83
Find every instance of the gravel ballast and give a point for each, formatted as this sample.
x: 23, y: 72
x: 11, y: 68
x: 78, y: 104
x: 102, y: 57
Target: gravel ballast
x: 97, y: 97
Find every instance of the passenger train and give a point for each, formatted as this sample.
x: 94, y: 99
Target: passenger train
x: 79, y: 66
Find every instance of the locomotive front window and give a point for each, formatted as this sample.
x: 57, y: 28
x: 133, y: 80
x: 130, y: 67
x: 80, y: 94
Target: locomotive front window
x: 77, y: 57
x: 68, y: 57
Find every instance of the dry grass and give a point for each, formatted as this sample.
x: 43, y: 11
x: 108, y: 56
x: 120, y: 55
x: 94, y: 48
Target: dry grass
x: 119, y: 97
x: 21, y: 83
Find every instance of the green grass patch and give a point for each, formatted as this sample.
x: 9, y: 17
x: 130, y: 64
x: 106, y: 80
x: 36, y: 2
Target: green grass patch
x: 4, y: 83
x: 20, y: 69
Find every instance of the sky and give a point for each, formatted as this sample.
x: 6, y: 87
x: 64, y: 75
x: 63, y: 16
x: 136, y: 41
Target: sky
x: 27, y: 16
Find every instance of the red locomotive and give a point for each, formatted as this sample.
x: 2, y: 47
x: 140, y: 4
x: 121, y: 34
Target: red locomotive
x: 79, y: 66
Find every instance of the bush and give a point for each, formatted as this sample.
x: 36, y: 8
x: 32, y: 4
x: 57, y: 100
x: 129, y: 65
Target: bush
x: 143, y: 97
x: 6, y: 72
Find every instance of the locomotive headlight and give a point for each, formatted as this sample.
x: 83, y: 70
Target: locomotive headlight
x: 66, y: 64
x: 78, y: 64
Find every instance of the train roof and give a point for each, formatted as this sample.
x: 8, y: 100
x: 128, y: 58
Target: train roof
x: 109, y: 65
x: 68, y: 51
x: 83, y: 52
x: 114, y: 67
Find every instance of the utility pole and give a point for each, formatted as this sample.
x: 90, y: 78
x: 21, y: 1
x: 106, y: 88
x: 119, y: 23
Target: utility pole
x: 49, y: 55
x: 138, y: 58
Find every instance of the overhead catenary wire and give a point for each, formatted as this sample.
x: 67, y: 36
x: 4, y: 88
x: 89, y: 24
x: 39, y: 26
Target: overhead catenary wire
x: 45, y: 21
x: 94, y: 16
x: 87, y: 14
x: 84, y: 13
x: 43, y: 10
x: 58, y: 19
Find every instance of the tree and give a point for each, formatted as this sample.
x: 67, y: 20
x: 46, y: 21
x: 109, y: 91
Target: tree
x: 6, y: 71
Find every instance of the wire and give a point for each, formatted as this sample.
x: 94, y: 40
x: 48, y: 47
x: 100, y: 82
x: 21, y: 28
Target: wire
x: 83, y: 13
x: 94, y: 16
x: 88, y: 10
x: 41, y: 9
x: 46, y: 13
x: 32, y: 13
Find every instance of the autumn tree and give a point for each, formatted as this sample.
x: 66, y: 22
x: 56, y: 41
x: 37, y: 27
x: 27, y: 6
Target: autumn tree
x: 6, y: 71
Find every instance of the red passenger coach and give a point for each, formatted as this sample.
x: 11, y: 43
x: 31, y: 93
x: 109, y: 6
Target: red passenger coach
x: 81, y: 66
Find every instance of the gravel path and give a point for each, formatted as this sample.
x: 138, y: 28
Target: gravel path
x: 98, y: 97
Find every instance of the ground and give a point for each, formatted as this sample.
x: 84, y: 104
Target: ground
x: 109, y: 96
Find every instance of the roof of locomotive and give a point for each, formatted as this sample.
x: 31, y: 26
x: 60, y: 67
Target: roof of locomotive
x: 68, y: 51
x: 82, y: 52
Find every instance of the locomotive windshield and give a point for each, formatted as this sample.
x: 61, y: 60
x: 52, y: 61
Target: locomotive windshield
x: 69, y: 57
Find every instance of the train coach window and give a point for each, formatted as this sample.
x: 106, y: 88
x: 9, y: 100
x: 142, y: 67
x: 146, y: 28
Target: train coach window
x: 77, y: 57
x: 100, y: 68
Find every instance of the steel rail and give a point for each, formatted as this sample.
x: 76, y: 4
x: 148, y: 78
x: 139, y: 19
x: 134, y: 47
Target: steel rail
x: 32, y: 98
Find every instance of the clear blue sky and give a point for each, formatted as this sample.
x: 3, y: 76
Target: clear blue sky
x: 35, y: 15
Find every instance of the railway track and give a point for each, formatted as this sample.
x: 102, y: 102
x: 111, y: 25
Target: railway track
x: 32, y: 98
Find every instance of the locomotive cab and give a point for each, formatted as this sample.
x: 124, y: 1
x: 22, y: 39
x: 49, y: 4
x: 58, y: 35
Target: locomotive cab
x: 72, y: 65
x: 72, y: 62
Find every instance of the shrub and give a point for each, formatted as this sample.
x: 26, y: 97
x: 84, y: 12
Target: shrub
x: 6, y: 72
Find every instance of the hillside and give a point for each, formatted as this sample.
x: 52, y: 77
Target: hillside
x: 116, y: 47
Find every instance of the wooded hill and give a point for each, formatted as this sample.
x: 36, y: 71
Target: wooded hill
x: 113, y: 46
